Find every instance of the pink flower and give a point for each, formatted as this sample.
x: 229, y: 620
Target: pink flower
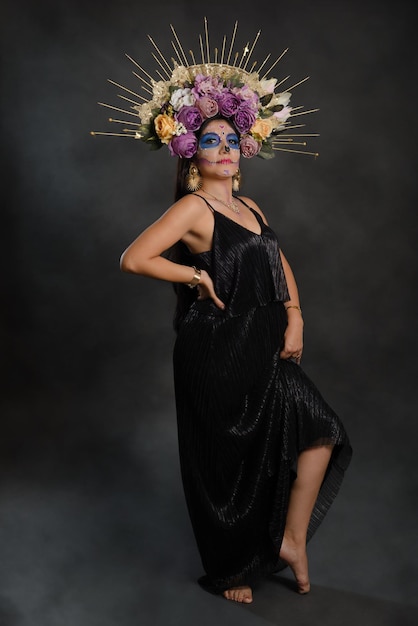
x: 207, y: 106
x: 248, y: 95
x: 284, y: 114
x: 206, y: 85
x: 249, y: 147
x: 183, y: 146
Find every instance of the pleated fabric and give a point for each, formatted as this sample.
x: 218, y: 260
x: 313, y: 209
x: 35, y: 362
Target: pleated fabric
x: 244, y: 415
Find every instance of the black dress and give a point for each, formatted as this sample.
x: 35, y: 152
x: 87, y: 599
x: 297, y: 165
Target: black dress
x: 244, y: 414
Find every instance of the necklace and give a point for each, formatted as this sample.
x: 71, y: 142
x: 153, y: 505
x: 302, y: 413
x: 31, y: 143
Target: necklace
x: 229, y: 205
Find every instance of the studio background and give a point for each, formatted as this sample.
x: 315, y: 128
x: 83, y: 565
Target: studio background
x: 93, y: 524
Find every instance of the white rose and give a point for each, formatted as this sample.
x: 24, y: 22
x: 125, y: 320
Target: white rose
x: 267, y: 86
x: 181, y: 98
x: 282, y: 98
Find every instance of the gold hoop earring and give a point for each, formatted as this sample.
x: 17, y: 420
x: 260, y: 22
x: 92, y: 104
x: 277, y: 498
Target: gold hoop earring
x: 193, y: 178
x: 236, y: 181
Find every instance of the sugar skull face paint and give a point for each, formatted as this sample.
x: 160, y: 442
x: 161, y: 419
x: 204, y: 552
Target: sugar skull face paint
x: 219, y: 146
x: 213, y: 140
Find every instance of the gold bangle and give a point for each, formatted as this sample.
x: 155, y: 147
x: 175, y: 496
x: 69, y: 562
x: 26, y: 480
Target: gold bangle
x: 196, y: 278
x: 293, y: 306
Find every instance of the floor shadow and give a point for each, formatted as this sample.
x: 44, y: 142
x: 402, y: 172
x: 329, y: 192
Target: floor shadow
x: 277, y: 602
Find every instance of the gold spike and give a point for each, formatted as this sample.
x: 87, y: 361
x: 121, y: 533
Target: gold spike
x: 168, y: 74
x: 264, y: 62
x: 109, y: 106
x: 244, y: 53
x: 180, y: 62
x: 275, y: 63
x: 298, y: 135
x: 232, y: 43
x: 139, y: 67
x: 315, y: 154
x: 295, y: 126
x: 95, y: 132
x: 299, y: 107
x: 235, y: 59
x: 124, y: 88
x: 282, y: 81
x: 216, y: 55
x: 201, y: 49
x: 223, y: 49
x: 252, y: 67
x: 133, y: 101
x: 160, y: 75
x: 303, y: 112
x: 123, y: 122
x: 192, y: 55
x: 207, y: 40
x: 142, y: 86
x: 159, y: 52
x: 294, y: 143
x: 252, y: 48
x: 179, y: 45
x: 297, y: 84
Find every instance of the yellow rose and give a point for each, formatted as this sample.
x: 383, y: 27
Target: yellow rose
x: 164, y: 127
x: 262, y: 128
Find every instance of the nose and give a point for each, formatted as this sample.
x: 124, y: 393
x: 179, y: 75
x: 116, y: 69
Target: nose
x: 227, y: 148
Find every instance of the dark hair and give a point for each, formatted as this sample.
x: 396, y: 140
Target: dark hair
x: 184, y: 164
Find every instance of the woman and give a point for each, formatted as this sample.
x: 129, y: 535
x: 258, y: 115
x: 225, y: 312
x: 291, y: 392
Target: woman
x: 262, y: 455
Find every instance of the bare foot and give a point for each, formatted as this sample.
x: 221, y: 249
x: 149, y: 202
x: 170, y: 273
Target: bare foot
x: 239, y: 594
x: 297, y: 560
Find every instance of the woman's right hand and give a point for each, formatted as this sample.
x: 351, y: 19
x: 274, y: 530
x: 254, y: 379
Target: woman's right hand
x: 206, y: 290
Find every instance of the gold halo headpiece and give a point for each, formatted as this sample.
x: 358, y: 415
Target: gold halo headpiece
x: 223, y: 84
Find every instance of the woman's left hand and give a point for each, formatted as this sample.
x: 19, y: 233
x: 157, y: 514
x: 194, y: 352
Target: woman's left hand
x: 293, y: 339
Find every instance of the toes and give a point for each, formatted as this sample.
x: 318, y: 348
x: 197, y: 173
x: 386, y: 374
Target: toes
x: 239, y: 594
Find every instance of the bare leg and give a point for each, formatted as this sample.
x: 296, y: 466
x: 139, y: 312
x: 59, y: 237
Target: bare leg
x: 239, y: 594
x: 312, y: 465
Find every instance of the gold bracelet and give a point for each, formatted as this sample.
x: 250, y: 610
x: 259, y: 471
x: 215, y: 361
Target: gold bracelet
x: 196, y: 278
x: 293, y: 306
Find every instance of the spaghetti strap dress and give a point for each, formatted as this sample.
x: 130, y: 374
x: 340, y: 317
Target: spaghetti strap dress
x: 244, y: 414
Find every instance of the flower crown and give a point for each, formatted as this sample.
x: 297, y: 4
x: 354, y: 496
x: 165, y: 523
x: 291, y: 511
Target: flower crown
x: 189, y: 95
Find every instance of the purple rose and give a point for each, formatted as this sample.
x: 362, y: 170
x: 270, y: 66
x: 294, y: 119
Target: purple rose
x: 228, y: 103
x: 207, y: 106
x: 190, y: 117
x: 184, y: 145
x: 244, y: 118
x: 249, y: 147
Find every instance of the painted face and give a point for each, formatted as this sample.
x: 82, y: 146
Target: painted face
x: 219, y: 148
x: 213, y: 140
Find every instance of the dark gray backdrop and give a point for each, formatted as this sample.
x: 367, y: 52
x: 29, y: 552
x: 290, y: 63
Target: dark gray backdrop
x: 93, y: 526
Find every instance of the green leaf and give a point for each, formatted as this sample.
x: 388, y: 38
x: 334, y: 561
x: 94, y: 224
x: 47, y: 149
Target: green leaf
x: 266, y: 152
x: 277, y: 107
x: 147, y: 131
x: 266, y: 99
x: 235, y: 81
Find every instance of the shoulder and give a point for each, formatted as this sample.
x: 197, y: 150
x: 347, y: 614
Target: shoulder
x: 189, y: 207
x: 254, y: 206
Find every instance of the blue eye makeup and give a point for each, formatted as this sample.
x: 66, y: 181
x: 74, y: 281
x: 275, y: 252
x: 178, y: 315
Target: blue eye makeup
x: 209, y: 140
x: 233, y: 141
x: 212, y: 140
